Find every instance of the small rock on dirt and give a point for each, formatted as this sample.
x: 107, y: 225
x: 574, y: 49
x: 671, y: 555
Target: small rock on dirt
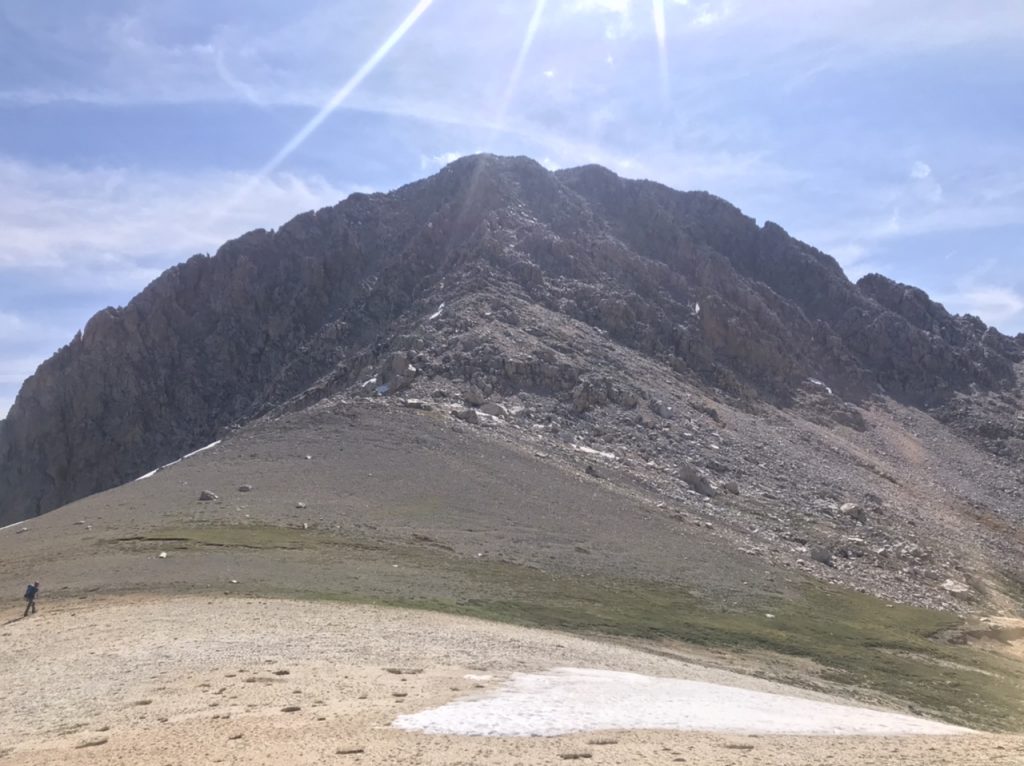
x: 855, y: 512
x: 821, y: 554
x: 92, y: 743
x: 206, y: 495
x: 417, y: 404
x: 697, y: 481
x: 660, y: 409
x: 494, y: 409
x: 956, y: 587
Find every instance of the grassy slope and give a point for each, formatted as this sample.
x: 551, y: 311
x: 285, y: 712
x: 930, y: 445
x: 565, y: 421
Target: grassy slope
x: 858, y: 640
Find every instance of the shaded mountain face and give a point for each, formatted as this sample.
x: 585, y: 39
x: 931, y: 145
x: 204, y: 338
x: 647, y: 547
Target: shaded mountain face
x: 280, y: 319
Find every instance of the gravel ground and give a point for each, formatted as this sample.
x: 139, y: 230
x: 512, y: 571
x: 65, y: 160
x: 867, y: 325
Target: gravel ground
x: 185, y: 680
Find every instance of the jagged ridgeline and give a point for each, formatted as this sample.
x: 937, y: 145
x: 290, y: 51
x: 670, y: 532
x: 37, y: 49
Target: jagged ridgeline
x: 744, y: 311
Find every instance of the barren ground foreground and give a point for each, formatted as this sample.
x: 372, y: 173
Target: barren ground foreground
x: 187, y: 680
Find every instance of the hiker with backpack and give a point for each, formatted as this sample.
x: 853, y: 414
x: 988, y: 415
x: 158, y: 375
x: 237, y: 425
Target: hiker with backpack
x: 30, y: 598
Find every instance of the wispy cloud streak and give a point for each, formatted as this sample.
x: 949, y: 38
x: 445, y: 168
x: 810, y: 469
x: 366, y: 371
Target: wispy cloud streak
x: 347, y: 89
x: 661, y: 34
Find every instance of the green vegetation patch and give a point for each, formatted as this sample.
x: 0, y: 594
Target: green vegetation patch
x: 857, y: 640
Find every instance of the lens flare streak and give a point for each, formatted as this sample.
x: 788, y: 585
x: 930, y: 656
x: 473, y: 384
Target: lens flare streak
x: 524, y: 51
x: 347, y: 89
x: 658, y: 17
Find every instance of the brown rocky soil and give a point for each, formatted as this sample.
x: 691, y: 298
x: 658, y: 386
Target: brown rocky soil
x: 228, y: 680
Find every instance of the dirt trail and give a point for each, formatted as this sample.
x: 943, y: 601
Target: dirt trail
x: 194, y: 680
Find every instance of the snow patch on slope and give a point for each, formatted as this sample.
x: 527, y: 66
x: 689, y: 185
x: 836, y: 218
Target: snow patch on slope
x: 567, y: 700
x: 155, y: 471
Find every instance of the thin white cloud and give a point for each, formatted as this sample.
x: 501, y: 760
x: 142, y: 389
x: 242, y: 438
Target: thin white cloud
x: 294, y: 57
x: 849, y: 254
x: 677, y: 166
x: 341, y: 95
x: 599, y: 6
x: 433, y: 162
x: 119, y: 221
x: 111, y: 231
x: 995, y: 305
x: 228, y: 77
x: 617, y: 14
x: 18, y: 332
x: 15, y: 368
x: 924, y: 183
x: 11, y: 326
x: 709, y: 14
x: 918, y: 206
x: 976, y: 292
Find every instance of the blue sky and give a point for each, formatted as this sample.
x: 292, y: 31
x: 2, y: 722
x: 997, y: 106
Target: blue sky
x: 134, y: 134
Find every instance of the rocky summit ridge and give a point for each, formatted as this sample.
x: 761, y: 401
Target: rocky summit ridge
x: 574, y: 304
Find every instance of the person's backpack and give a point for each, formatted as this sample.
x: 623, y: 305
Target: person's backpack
x: 30, y: 592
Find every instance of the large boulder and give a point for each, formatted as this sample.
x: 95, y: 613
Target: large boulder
x: 696, y: 480
x: 396, y: 373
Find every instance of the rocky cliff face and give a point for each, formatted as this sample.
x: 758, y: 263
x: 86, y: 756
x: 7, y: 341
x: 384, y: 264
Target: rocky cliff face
x: 283, y: 318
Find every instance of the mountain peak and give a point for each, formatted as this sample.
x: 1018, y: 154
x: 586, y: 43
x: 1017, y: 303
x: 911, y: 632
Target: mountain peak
x: 683, y: 281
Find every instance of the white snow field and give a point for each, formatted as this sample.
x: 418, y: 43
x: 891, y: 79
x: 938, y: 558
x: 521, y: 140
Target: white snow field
x: 567, y: 700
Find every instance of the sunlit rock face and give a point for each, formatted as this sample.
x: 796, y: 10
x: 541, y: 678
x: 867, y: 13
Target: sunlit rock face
x: 290, y: 316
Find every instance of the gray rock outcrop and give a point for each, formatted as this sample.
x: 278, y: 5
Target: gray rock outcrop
x: 288, y: 317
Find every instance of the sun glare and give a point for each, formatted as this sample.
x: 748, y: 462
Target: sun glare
x: 658, y: 16
x: 524, y: 51
x: 338, y: 98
